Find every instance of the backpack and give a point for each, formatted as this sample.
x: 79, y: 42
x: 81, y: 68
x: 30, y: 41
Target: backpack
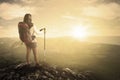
x: 24, y: 32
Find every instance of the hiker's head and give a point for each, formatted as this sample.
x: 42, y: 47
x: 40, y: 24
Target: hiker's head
x: 28, y: 19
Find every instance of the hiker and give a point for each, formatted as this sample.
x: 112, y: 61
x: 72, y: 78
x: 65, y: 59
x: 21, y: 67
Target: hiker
x: 27, y: 33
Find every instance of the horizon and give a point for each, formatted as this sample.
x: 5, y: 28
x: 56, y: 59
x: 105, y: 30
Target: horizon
x: 112, y: 40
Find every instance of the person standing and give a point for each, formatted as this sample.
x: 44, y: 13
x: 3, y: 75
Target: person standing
x: 27, y: 33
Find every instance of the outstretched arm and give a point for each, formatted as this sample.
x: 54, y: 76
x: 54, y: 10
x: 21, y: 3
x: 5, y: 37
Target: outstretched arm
x: 37, y: 31
x: 43, y: 29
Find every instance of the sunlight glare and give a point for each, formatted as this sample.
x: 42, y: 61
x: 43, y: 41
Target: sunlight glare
x: 80, y: 33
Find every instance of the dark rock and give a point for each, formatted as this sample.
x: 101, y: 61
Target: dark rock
x: 49, y: 74
x: 89, y: 75
x: 43, y: 72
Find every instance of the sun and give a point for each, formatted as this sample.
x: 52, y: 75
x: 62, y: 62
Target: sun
x: 80, y: 32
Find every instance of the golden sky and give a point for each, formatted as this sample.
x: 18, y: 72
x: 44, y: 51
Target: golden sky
x: 99, y: 17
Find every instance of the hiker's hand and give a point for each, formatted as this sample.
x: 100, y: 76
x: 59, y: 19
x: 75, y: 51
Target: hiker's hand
x: 42, y: 29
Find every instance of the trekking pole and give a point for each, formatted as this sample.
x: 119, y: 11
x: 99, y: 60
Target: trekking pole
x: 44, y: 42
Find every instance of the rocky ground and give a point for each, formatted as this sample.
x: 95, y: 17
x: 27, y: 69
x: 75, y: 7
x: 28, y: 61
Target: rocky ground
x: 43, y: 72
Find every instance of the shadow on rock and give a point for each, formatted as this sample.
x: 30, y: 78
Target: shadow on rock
x: 43, y: 72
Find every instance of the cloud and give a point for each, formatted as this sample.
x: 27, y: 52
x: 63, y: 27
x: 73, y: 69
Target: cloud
x: 8, y: 23
x: 60, y: 14
x: 105, y: 11
x: 13, y: 8
x: 10, y: 1
x: 10, y: 11
x: 110, y: 1
x: 1, y: 27
x: 20, y: 2
x: 68, y: 17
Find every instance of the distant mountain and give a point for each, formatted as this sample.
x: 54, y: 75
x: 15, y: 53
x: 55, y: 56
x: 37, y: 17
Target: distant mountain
x: 105, y: 39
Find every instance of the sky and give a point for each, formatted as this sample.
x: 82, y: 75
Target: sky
x: 60, y: 17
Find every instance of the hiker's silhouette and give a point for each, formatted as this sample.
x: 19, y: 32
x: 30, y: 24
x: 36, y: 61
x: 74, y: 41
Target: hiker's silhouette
x: 27, y: 34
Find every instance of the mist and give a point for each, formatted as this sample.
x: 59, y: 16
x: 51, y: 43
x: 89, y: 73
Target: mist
x: 68, y: 52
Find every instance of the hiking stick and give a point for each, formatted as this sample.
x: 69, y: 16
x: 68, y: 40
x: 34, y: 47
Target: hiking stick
x: 44, y: 42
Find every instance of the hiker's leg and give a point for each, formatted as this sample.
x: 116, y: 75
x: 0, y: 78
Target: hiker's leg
x: 28, y: 55
x: 35, y: 54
